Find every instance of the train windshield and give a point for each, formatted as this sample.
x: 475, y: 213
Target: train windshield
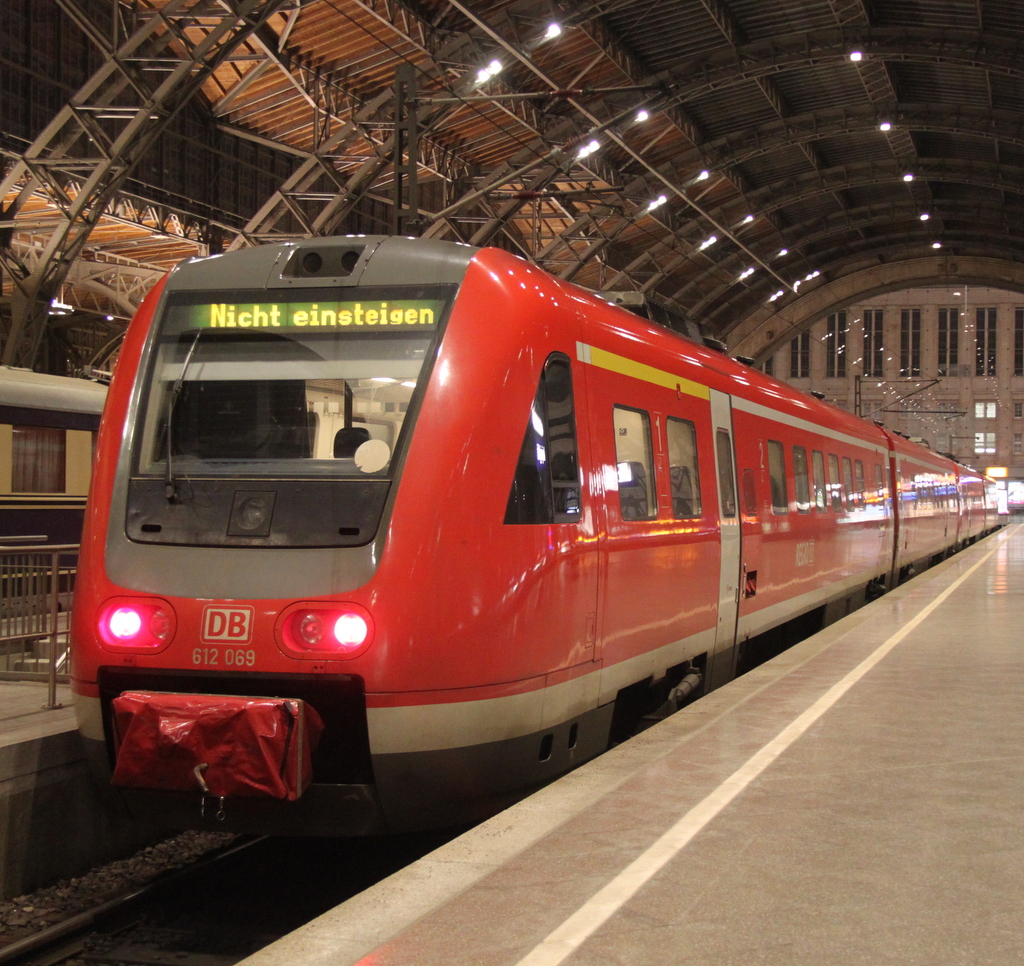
x: 309, y: 385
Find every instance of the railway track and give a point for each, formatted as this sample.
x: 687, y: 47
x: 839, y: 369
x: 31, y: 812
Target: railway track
x: 225, y: 907
x: 71, y: 938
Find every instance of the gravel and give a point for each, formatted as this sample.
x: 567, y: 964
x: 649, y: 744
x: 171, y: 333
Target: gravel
x: 25, y: 915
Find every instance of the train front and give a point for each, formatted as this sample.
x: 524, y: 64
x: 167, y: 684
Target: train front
x: 257, y: 424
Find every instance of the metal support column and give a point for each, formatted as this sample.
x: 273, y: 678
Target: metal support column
x: 86, y: 153
x: 405, y: 218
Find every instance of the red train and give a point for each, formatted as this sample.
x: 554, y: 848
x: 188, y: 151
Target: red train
x: 384, y: 532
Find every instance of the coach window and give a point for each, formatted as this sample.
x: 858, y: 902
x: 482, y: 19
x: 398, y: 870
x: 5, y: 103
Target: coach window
x: 848, y: 483
x: 546, y: 486
x: 818, y: 466
x: 835, y: 488
x: 684, y: 480
x: 777, y: 476
x: 858, y: 482
x: 38, y: 459
x: 879, y: 483
x: 726, y: 487
x: 800, y: 477
x: 749, y: 494
x: 635, y: 464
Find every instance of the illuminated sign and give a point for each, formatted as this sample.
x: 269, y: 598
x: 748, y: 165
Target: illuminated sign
x: 395, y: 314
x: 997, y: 472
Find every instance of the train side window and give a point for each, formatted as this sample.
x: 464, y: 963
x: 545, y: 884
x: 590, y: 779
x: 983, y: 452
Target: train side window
x: 546, y: 487
x: 38, y: 459
x: 634, y: 456
x: 818, y: 467
x: 726, y: 487
x: 848, y: 483
x: 879, y: 483
x: 777, y: 476
x: 560, y: 420
x: 684, y: 478
x: 749, y: 493
x: 835, y: 488
x: 858, y: 482
x: 801, y: 478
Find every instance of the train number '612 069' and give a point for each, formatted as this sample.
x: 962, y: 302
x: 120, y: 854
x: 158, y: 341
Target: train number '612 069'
x: 224, y: 656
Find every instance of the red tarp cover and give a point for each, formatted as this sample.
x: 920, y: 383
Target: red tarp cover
x: 250, y: 746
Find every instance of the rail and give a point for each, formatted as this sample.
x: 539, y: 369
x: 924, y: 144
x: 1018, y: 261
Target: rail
x: 36, y: 583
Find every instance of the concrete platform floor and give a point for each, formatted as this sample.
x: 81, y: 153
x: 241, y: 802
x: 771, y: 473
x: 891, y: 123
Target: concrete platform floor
x: 860, y: 799
x: 23, y: 716
x: 55, y: 822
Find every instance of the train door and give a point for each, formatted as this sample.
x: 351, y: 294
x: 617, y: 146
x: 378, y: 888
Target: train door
x: 899, y: 516
x: 723, y: 660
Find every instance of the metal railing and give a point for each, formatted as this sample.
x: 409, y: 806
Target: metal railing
x: 36, y: 584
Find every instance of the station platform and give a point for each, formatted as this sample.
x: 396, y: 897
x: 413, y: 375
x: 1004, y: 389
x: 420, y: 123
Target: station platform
x: 54, y: 822
x: 855, y: 800
x: 23, y: 716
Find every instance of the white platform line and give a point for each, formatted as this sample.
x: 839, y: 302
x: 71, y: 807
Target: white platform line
x: 582, y: 924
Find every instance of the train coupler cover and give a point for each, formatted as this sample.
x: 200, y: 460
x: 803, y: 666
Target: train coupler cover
x: 242, y: 746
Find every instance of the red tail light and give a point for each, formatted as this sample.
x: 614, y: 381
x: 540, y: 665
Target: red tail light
x: 132, y: 624
x: 326, y: 630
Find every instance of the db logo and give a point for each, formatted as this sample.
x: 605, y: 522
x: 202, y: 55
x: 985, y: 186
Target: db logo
x: 227, y: 625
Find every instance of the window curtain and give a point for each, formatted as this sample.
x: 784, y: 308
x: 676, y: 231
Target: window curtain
x: 38, y: 460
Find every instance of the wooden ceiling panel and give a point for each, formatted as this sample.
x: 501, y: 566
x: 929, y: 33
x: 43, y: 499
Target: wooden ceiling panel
x: 759, y: 124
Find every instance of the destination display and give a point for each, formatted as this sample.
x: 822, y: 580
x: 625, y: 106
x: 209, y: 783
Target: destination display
x: 397, y: 313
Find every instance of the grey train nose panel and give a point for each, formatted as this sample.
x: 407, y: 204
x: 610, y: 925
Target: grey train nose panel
x: 147, y: 535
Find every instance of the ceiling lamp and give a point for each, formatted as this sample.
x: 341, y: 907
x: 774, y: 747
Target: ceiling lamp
x: 641, y: 116
x: 856, y: 56
x: 885, y: 126
x: 486, y: 73
x: 552, y: 32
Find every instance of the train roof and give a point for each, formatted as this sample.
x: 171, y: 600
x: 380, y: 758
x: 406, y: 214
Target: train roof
x: 37, y: 390
x: 380, y: 259
x: 726, y: 373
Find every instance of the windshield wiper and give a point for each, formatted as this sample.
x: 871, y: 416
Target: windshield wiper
x: 170, y: 484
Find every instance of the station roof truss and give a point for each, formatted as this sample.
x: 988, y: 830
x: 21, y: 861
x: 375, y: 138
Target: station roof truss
x: 724, y: 157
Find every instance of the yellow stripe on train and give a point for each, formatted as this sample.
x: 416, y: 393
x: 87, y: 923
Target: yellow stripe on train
x: 637, y: 370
